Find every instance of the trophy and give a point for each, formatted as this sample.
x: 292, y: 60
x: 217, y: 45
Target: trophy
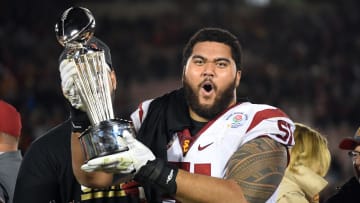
x: 92, y: 80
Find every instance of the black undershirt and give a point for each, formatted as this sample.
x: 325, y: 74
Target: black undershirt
x: 196, y: 126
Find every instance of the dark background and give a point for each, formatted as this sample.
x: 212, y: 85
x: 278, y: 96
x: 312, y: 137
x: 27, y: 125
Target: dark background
x: 299, y: 55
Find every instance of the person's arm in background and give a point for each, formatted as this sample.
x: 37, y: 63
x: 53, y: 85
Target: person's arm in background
x: 89, y: 179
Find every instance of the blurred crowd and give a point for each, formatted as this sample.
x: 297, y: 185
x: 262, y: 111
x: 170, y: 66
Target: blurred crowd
x: 302, y: 56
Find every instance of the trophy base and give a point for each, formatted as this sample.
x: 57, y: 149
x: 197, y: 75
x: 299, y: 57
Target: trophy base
x: 105, y: 138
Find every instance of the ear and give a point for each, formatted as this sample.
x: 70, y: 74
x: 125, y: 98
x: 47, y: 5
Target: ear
x: 238, y: 78
x: 113, y: 79
x: 183, y: 74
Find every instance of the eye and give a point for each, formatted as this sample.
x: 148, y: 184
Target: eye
x: 199, y: 61
x: 222, y: 64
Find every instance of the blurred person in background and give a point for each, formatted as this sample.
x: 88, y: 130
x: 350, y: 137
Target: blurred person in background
x: 350, y: 191
x: 309, y: 163
x: 10, y: 156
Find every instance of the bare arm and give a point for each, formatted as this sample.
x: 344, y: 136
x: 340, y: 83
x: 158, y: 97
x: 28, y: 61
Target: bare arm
x: 201, y: 188
x: 93, y: 179
x: 258, y: 167
x: 254, y: 171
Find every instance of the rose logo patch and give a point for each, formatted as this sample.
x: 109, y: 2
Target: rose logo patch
x: 237, y: 119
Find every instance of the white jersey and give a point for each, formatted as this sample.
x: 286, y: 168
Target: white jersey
x: 209, y: 151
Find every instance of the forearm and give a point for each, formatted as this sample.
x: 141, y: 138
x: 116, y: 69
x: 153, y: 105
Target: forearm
x: 201, y: 188
x: 89, y: 179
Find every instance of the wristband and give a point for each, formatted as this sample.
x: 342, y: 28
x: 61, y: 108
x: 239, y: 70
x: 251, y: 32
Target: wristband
x: 159, y: 174
x: 79, y: 120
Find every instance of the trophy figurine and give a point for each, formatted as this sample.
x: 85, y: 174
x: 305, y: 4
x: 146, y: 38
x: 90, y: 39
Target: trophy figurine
x: 92, y: 80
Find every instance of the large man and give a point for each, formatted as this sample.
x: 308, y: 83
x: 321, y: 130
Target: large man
x: 200, y: 143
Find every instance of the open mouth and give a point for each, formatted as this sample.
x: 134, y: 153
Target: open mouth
x: 207, y: 86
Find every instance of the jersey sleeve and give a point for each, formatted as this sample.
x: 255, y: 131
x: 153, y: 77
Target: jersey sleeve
x: 274, y: 123
x: 138, y: 116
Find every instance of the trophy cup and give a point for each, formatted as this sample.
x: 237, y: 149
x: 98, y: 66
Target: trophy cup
x: 92, y: 80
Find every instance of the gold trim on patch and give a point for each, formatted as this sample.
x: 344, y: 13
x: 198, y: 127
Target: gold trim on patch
x: 102, y: 194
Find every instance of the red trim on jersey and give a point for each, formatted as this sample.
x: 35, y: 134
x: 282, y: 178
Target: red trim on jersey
x: 131, y: 188
x: 185, y: 140
x: 265, y: 114
x: 141, y: 112
x: 213, y: 120
x: 204, y: 169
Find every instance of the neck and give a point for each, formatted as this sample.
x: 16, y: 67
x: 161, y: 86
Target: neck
x: 8, y: 143
x: 196, y: 117
x: 8, y: 147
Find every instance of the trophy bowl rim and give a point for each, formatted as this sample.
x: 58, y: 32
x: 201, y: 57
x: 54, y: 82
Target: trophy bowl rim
x: 88, y: 137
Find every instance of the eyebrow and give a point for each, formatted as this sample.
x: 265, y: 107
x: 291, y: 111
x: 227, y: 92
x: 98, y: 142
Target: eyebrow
x: 216, y: 59
x: 197, y: 56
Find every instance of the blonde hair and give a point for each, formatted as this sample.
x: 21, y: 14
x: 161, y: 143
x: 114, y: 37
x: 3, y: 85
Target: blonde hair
x: 310, y: 150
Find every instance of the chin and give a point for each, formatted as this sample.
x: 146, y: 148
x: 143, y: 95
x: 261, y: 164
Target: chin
x: 206, y: 101
x: 206, y: 105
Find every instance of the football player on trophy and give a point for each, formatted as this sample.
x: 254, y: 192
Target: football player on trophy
x: 93, y: 85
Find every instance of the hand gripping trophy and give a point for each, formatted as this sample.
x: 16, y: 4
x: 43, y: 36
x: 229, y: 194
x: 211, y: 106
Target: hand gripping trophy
x: 92, y: 80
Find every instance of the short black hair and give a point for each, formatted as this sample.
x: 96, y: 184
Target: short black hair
x: 214, y: 35
x: 96, y: 43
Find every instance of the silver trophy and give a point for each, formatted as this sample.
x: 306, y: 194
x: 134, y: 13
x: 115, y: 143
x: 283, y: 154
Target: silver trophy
x: 73, y: 31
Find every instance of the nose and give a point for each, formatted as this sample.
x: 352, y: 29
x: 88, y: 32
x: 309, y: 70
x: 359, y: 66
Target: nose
x: 209, y: 69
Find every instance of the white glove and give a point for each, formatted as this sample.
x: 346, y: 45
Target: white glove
x: 67, y: 74
x: 123, y: 162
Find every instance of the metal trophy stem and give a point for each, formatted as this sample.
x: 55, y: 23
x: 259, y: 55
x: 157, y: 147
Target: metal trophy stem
x: 94, y: 84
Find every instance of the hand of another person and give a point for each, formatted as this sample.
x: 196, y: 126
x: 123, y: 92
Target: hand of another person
x: 78, y: 115
x: 67, y: 74
x: 123, y: 162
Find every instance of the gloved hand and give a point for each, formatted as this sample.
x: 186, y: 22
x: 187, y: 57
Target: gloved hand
x: 140, y: 162
x: 79, y: 118
x: 68, y: 72
x: 123, y: 162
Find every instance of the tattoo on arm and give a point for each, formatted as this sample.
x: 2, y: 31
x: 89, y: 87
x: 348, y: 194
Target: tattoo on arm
x: 258, y: 167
